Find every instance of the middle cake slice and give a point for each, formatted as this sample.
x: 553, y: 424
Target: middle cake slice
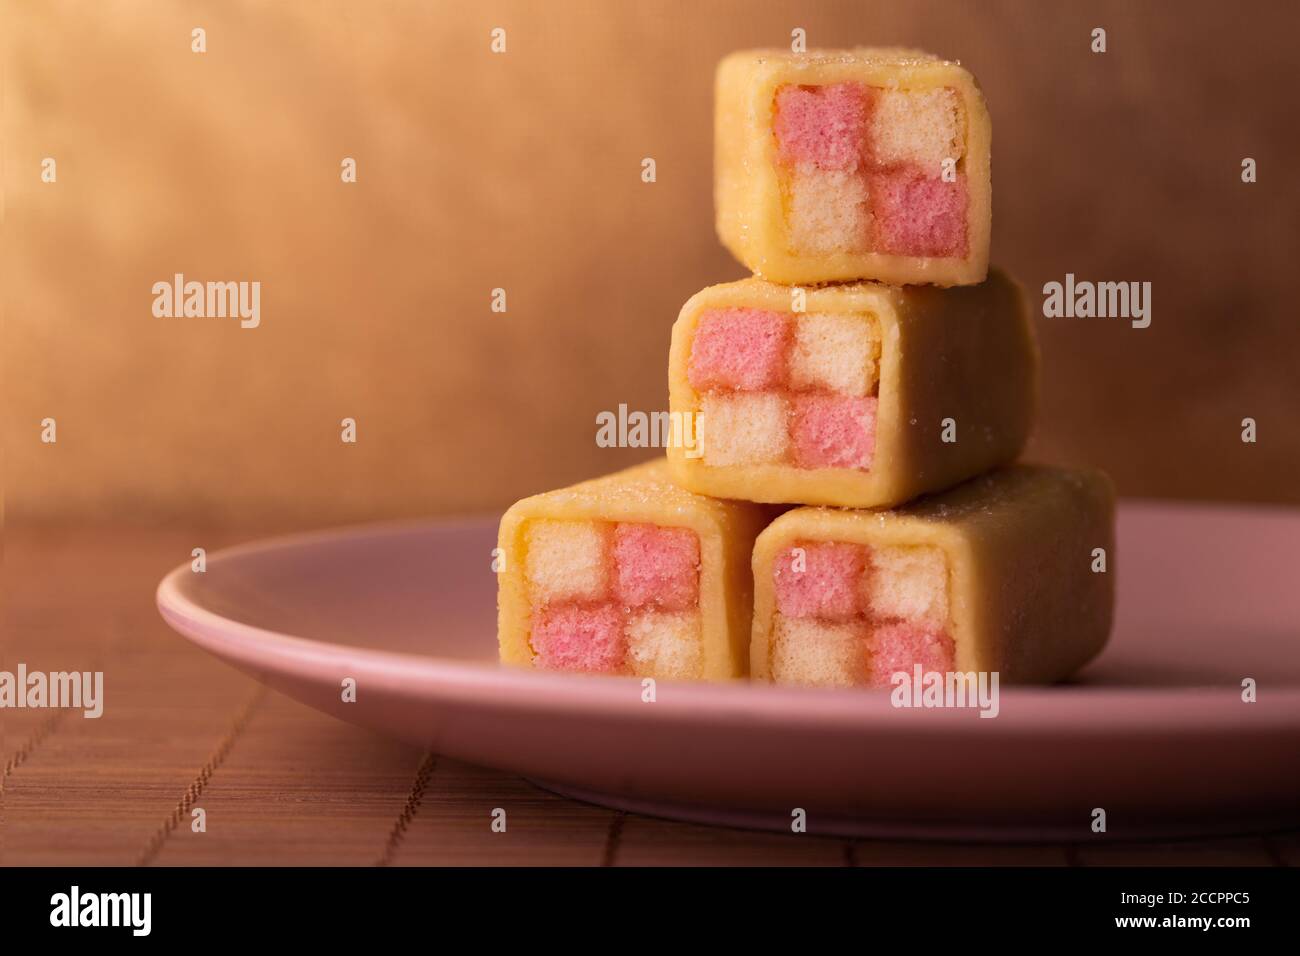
x: 862, y: 395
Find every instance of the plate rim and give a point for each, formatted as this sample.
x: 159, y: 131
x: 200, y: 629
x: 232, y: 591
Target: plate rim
x: 1098, y: 711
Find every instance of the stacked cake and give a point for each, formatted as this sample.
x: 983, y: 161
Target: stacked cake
x: 837, y: 504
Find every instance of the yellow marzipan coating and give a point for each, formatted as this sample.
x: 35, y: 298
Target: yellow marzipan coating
x: 750, y: 217
x: 1023, y: 597
x: 644, y: 493
x: 965, y: 353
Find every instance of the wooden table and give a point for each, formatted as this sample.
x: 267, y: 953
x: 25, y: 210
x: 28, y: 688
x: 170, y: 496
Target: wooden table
x: 280, y: 783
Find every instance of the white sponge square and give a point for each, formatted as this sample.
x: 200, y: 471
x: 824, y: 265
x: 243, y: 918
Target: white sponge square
x: 567, y: 560
x: 837, y: 352
x: 818, y: 654
x: 828, y: 211
x: 922, y: 127
x: 910, y: 583
x: 665, y: 644
x: 748, y: 429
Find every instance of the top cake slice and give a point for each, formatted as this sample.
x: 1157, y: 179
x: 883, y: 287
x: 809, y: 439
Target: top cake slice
x: 852, y: 164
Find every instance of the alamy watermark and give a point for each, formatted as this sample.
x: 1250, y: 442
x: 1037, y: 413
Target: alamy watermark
x: 939, y: 689
x: 76, y: 690
x: 75, y: 908
x: 212, y: 300
x: 637, y: 429
x: 1084, y: 299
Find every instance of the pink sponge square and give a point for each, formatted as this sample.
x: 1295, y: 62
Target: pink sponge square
x: 825, y: 126
x: 574, y: 637
x: 899, y: 647
x: 739, y: 348
x: 833, y: 431
x: 917, y: 215
x: 826, y: 581
x: 654, y: 565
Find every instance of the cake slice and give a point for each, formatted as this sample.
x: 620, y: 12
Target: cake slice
x: 867, y: 397
x: 996, y: 575
x: 628, y: 574
x: 852, y: 164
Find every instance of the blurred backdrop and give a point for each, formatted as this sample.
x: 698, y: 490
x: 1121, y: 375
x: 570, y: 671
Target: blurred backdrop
x: 522, y: 171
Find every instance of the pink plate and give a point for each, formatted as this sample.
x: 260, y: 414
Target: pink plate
x: 1155, y: 731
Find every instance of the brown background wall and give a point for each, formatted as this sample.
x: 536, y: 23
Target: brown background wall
x: 523, y: 171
